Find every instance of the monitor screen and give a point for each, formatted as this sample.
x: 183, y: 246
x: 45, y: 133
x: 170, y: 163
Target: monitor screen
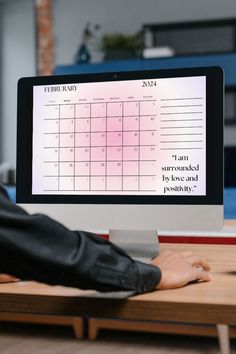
x: 115, y: 140
x: 130, y: 137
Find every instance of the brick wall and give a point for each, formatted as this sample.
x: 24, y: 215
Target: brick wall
x: 45, y: 44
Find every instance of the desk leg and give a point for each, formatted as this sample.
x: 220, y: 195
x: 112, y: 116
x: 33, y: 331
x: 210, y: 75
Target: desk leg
x: 223, y: 336
x: 78, y: 326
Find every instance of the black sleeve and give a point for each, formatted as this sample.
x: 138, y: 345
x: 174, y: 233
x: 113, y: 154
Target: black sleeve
x: 38, y: 248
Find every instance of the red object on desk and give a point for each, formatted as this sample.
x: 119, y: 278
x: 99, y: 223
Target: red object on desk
x: 199, y: 240
x: 218, y: 239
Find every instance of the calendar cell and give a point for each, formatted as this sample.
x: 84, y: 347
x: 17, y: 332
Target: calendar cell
x: 98, y: 124
x: 148, y: 123
x: 98, y: 139
x: 50, y: 140
x: 148, y: 108
x: 130, y: 153
x: 98, y: 110
x: 131, y: 108
x: 67, y: 140
x: 67, y: 125
x: 148, y: 152
x: 114, y: 153
x: 97, y: 183
x: 82, y: 125
x: 66, y: 168
x: 50, y: 169
x: 114, y: 124
x: 82, y: 154
x: 82, y: 110
x: 130, y: 183
x: 51, y: 125
x: 114, y: 139
x: 67, y: 111
x: 98, y: 153
x: 82, y: 139
x: 148, y: 183
x: 50, y: 155
x: 131, y: 138
x: 66, y: 154
x: 148, y: 168
x: 114, y: 183
x: 51, y: 112
x: 82, y: 168
x: 98, y: 168
x: 114, y: 109
x: 82, y: 183
x: 148, y: 138
x: 131, y: 123
x: 130, y: 168
x: 66, y: 183
x: 50, y: 184
x: 114, y: 168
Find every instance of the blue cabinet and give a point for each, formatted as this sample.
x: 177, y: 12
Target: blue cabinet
x: 227, y: 61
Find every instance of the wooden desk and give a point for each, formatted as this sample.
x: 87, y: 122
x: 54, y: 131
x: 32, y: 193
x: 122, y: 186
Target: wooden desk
x: 206, y: 303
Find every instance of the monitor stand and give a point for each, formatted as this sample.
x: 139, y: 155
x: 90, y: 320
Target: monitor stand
x: 141, y: 245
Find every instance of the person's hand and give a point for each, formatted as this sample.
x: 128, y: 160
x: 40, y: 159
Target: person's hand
x: 5, y: 278
x: 178, y: 269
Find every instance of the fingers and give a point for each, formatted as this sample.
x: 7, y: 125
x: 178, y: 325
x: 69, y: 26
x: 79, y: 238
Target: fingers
x: 194, y: 259
x: 198, y: 261
x: 201, y: 274
x: 190, y: 256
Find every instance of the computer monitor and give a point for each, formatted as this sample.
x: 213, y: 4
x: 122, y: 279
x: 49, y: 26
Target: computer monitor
x: 132, y: 151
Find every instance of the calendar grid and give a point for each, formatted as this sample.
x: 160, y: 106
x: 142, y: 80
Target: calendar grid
x: 102, y: 146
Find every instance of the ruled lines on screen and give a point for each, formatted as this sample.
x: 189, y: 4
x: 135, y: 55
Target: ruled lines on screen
x: 182, y: 123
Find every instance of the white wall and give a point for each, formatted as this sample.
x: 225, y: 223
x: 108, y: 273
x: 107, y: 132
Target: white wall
x: 17, y: 44
x: 126, y: 16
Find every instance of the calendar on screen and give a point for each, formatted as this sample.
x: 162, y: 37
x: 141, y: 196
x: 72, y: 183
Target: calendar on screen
x: 127, y: 137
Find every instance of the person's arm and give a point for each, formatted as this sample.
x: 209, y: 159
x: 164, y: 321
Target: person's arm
x: 38, y: 248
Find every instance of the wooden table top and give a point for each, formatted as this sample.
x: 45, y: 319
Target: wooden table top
x: 211, y: 302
